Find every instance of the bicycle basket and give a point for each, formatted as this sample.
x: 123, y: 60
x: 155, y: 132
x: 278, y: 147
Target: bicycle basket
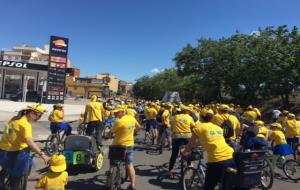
x: 249, y: 166
x: 117, y: 153
x: 80, y: 143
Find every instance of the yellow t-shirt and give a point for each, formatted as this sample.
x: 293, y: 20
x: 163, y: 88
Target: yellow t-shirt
x: 108, y: 114
x: 278, y: 137
x: 151, y: 113
x: 181, y: 126
x: 166, y: 118
x: 53, y: 181
x: 124, y: 130
x: 94, y: 111
x: 131, y: 112
x: 291, y: 128
x: 218, y: 119
x: 15, y: 134
x: 262, y: 132
x: 213, y: 141
x: 57, y: 116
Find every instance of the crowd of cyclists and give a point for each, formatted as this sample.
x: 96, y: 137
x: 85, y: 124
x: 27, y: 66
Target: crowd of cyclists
x: 220, y: 129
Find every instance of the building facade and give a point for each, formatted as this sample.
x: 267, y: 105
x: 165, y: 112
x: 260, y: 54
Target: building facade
x: 109, y: 80
x: 84, y: 87
x: 23, y: 70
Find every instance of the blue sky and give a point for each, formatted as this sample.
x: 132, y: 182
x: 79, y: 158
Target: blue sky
x: 132, y: 38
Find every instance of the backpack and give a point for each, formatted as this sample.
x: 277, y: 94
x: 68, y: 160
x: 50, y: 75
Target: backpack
x: 159, y: 116
x: 228, y: 130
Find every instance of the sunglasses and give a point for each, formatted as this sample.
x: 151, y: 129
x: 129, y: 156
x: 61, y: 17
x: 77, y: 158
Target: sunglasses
x: 39, y: 115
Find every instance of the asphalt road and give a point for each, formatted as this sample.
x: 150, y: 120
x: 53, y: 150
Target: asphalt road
x: 148, y: 163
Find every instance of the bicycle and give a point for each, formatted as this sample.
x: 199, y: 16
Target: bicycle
x: 81, y: 129
x: 118, y: 173
x: 107, y: 127
x: 54, y: 142
x: 163, y: 137
x: 150, y: 136
x: 193, y: 178
x: 290, y: 167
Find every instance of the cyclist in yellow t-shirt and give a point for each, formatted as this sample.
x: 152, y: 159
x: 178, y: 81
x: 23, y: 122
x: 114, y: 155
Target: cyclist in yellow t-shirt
x: 151, y: 114
x: 56, y: 178
x: 281, y: 147
x: 124, y: 129
x: 181, y: 126
x: 222, y: 116
x: 16, y: 143
x: 291, y: 127
x: 94, y: 116
x: 56, y: 118
x: 219, y: 153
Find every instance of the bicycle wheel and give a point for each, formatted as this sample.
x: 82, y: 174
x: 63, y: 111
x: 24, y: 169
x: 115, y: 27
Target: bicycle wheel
x: 152, y: 136
x: 52, y: 144
x: 123, y: 172
x: 104, y: 133
x: 115, y: 178
x: 98, y: 163
x: 6, y: 184
x: 291, y: 169
x: 192, y: 179
x: 267, y: 175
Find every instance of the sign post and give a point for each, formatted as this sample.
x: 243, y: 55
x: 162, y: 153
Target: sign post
x: 58, y: 58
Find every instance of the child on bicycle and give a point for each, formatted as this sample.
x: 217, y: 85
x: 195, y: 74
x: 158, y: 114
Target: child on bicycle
x: 56, y: 177
x: 281, y: 148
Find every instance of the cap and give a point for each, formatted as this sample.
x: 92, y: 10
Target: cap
x: 59, y: 105
x: 223, y: 107
x: 94, y: 97
x: 259, y: 123
x: 276, y: 125
x: 37, y: 108
x: 118, y: 110
x: 185, y: 108
x: 291, y: 116
x: 58, y: 163
x: 206, y: 112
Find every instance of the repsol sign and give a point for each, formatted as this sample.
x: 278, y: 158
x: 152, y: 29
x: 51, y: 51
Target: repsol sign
x: 13, y: 64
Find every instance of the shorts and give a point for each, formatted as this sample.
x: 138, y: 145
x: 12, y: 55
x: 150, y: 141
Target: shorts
x: 56, y: 127
x: 16, y: 163
x: 282, y: 150
x: 128, y: 157
x: 293, y: 140
x: 151, y: 123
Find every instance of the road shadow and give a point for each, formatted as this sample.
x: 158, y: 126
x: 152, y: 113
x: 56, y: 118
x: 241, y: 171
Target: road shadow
x: 156, y: 173
x: 76, y: 170
x: 283, y: 178
x: 92, y: 183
